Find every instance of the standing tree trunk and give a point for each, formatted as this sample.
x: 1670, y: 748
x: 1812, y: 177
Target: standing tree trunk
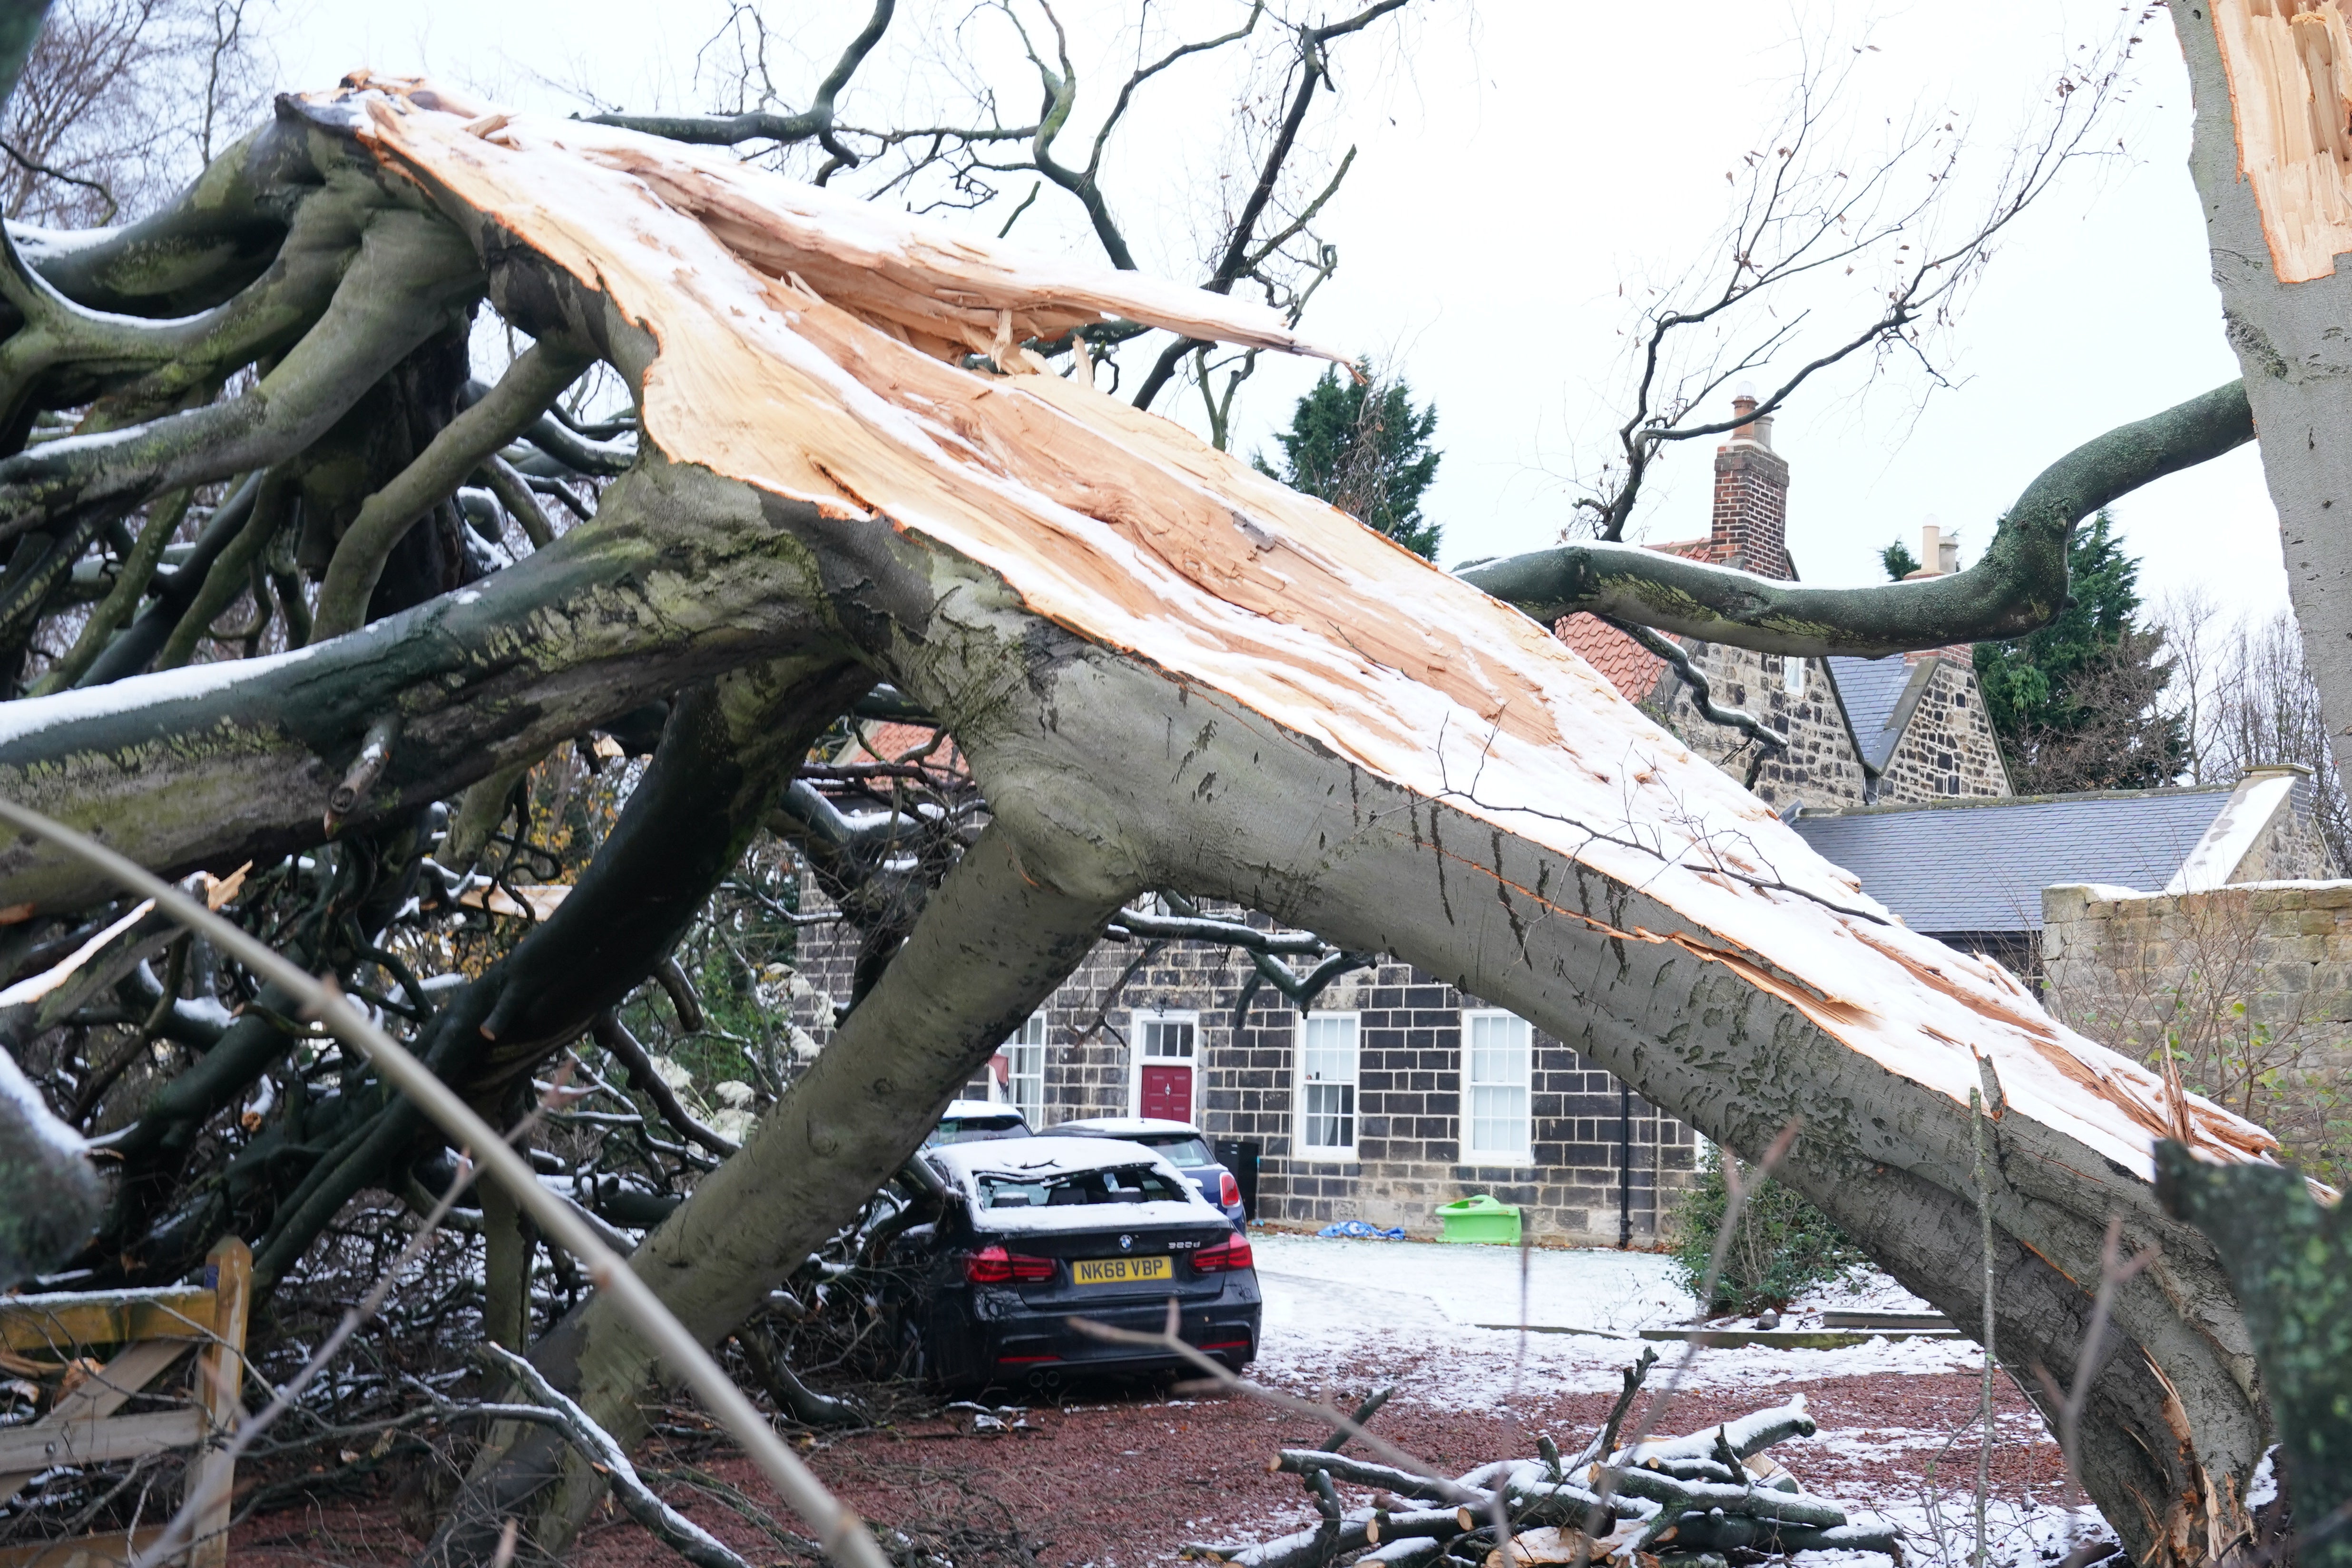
x: 2273, y: 161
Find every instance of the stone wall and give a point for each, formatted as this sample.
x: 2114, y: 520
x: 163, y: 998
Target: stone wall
x: 1949, y: 748
x: 2248, y: 987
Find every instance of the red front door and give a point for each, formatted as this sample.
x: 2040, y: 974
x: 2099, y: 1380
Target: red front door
x: 1168, y: 1092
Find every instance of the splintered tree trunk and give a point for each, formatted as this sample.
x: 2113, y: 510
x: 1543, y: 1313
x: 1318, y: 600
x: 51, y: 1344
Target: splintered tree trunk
x: 2273, y: 161
x: 1168, y: 670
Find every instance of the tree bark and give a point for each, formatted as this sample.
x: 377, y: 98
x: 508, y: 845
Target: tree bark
x: 2015, y: 587
x: 53, y: 1193
x: 2272, y: 191
x: 728, y: 748
x: 2292, y: 1262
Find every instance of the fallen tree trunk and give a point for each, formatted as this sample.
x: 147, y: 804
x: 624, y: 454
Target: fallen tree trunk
x: 1168, y: 670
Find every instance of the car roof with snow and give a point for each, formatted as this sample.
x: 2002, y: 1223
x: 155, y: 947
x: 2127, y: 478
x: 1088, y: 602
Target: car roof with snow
x: 960, y: 1108
x: 1036, y: 1159
x: 1045, y: 1159
x: 1123, y: 1127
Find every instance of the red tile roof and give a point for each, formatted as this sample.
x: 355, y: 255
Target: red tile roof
x: 895, y: 738
x: 1622, y: 662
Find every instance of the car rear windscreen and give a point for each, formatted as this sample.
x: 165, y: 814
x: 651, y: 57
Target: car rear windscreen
x: 1180, y: 1149
x: 977, y: 1129
x: 1126, y: 1184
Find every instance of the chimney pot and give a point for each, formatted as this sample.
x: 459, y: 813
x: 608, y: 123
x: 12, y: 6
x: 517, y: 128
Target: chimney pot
x: 1743, y: 409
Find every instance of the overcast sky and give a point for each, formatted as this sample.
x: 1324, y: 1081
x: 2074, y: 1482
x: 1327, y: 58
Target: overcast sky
x: 1521, y: 163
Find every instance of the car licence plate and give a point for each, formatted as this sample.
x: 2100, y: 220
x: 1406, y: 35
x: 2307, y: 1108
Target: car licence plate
x: 1121, y: 1270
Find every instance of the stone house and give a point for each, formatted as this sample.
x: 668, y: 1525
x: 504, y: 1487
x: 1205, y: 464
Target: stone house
x: 1859, y: 730
x: 1398, y: 1092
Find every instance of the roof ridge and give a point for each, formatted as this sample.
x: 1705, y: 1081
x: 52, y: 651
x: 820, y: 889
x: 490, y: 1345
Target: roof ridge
x: 1978, y: 802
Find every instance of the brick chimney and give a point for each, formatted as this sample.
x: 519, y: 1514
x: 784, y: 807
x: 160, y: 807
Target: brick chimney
x: 1751, y: 526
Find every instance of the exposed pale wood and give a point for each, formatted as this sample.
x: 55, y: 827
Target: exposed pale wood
x: 68, y: 1323
x: 94, y: 1441
x: 944, y: 289
x: 220, y: 1372
x: 2290, y: 72
x: 538, y: 899
x: 99, y: 1395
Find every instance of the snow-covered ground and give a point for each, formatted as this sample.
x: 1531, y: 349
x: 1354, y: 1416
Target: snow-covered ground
x: 1335, y: 1308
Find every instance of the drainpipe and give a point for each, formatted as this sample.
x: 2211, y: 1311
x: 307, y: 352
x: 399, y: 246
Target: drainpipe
x: 1624, y: 1166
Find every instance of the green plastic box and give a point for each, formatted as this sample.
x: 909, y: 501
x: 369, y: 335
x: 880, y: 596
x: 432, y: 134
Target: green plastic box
x: 1480, y: 1218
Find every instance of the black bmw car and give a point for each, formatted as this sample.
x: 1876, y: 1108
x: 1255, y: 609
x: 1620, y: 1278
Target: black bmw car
x: 1032, y: 1232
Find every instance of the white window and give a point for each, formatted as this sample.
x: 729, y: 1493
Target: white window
x: 1024, y: 1073
x: 1793, y: 675
x: 1497, y: 1057
x: 1326, y: 1086
x: 1163, y: 1067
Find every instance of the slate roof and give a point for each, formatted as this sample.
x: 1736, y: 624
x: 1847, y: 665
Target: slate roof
x: 1870, y: 688
x: 1979, y: 865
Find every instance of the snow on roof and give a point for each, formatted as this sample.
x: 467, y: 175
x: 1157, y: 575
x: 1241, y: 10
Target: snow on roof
x: 2253, y: 807
x: 787, y: 360
x: 1036, y: 1159
x: 1046, y: 1158
x: 970, y: 1108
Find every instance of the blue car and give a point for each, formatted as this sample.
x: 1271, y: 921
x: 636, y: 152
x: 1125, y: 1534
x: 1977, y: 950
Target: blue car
x: 1177, y: 1142
x: 977, y: 1121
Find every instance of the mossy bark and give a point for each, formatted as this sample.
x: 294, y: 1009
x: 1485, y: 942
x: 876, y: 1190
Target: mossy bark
x: 2291, y: 1261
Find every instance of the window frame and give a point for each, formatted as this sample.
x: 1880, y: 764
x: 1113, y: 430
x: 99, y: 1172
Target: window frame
x: 1793, y: 675
x: 1524, y: 1153
x: 1136, y: 1020
x: 1328, y: 1153
x: 1020, y: 1040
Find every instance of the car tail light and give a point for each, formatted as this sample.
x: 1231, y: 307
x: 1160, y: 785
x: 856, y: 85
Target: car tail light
x: 994, y: 1265
x: 1229, y: 1192
x: 1232, y: 1253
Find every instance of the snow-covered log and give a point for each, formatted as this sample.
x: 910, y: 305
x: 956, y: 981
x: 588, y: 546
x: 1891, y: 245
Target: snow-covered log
x: 1635, y: 1509
x: 1167, y: 669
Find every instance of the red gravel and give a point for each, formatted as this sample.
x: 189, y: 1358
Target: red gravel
x: 1120, y: 1478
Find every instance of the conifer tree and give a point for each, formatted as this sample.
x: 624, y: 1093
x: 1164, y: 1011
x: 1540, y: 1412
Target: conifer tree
x: 2074, y: 704
x: 1362, y: 446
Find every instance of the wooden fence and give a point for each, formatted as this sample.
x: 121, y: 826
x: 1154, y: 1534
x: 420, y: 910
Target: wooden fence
x: 54, y: 1340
